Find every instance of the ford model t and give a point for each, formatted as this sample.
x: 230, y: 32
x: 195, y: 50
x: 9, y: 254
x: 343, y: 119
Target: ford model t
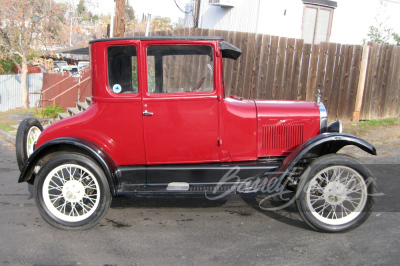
x: 160, y: 122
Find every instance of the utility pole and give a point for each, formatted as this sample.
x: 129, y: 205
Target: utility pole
x: 196, y: 13
x: 119, y: 19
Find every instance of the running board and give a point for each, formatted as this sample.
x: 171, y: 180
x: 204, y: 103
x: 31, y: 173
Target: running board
x: 179, y: 188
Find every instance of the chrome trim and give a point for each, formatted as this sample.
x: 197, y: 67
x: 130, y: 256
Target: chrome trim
x: 340, y: 126
x: 323, y: 114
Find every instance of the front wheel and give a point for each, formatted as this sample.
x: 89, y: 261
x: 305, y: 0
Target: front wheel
x: 336, y: 194
x: 72, y: 192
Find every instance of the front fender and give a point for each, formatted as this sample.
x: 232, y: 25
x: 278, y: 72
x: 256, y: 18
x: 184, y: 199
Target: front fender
x: 324, y: 144
x: 68, y: 144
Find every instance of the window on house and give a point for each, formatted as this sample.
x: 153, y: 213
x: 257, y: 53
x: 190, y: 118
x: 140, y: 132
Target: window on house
x: 317, y: 24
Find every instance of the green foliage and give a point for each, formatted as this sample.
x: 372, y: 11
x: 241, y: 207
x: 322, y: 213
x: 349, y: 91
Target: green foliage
x: 396, y: 38
x: 159, y: 24
x: 380, y: 122
x: 81, y: 7
x: 379, y: 34
x: 7, y: 65
x: 48, y: 112
x: 129, y: 12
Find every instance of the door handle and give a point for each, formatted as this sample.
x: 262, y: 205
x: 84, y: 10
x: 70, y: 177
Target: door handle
x: 145, y: 113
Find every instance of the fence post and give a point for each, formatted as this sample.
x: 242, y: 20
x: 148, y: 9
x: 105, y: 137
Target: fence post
x: 361, y: 84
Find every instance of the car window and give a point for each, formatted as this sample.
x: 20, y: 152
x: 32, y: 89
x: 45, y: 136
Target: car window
x: 179, y: 68
x: 122, y: 69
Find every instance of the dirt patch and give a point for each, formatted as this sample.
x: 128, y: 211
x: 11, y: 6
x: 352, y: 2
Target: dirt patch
x: 385, y: 137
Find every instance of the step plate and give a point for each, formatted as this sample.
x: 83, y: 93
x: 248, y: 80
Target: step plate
x: 193, y: 188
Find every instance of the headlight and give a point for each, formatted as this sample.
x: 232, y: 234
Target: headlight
x: 323, y: 118
x: 336, y: 127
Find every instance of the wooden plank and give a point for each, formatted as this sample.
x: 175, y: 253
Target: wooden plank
x: 361, y: 83
x: 273, y: 51
x: 288, y: 70
x: 231, y: 67
x: 353, y: 81
x: 396, y: 108
x: 278, y: 80
x: 249, y: 69
x: 371, y: 69
x: 330, y: 67
x: 395, y: 98
x: 238, y: 72
x: 385, y: 80
x: 312, y: 73
x: 389, y: 99
x: 344, y: 82
x: 305, y: 64
x: 294, y: 83
x: 263, y: 67
x: 378, y: 81
x: 319, y: 82
x: 243, y: 65
x: 255, y: 72
x: 228, y: 66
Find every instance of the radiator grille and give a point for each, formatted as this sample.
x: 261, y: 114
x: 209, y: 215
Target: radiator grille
x: 282, y: 136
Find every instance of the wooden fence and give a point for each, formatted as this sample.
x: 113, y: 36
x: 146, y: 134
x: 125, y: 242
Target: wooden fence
x: 354, y: 80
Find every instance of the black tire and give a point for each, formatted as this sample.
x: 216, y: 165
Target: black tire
x: 323, y: 194
x: 22, y: 139
x: 60, y: 200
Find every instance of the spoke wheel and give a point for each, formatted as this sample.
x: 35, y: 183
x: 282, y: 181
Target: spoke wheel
x: 31, y: 140
x: 72, y: 192
x: 336, y: 194
x: 28, y: 134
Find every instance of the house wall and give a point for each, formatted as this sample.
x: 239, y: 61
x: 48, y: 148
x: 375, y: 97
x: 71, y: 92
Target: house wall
x: 351, y: 18
x: 256, y: 16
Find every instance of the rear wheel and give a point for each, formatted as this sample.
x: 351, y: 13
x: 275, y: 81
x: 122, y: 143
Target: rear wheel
x: 72, y: 192
x: 28, y: 133
x: 336, y: 194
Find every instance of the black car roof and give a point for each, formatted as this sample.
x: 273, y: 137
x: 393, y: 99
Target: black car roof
x: 179, y: 38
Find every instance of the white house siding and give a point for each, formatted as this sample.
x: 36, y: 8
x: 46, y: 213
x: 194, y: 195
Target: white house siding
x: 242, y: 17
x: 350, y: 25
x: 258, y: 16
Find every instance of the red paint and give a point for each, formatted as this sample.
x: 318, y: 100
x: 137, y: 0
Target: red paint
x: 195, y: 127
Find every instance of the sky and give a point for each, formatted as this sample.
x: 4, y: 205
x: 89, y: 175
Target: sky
x: 163, y: 8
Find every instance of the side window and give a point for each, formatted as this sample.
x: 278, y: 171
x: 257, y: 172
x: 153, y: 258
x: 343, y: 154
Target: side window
x: 122, y: 69
x: 179, y: 68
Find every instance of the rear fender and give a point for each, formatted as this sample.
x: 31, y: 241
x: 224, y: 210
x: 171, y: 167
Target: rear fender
x: 69, y: 145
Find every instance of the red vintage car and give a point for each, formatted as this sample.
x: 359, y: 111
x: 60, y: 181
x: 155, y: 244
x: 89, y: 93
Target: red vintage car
x: 160, y: 122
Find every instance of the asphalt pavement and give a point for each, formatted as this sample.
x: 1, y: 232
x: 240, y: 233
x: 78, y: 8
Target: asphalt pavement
x: 195, y: 231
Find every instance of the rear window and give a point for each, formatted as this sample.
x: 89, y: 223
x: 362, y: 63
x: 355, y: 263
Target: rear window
x: 122, y: 69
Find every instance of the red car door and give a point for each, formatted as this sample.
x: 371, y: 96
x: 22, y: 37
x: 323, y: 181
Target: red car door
x: 180, y: 104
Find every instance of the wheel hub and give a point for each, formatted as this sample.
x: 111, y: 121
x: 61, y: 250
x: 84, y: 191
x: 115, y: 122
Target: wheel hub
x: 335, y: 193
x: 73, y: 191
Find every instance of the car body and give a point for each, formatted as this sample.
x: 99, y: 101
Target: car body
x: 160, y: 122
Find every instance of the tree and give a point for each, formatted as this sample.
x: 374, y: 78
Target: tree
x: 25, y: 24
x: 129, y: 12
x: 381, y: 32
x: 81, y: 8
x: 159, y: 24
